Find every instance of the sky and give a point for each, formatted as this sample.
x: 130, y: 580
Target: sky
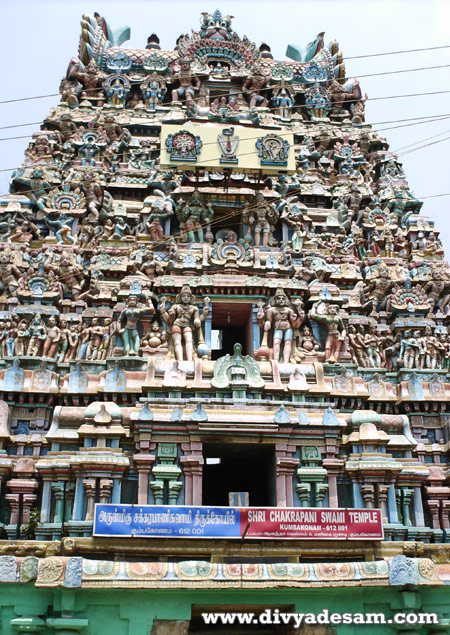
x: 39, y: 39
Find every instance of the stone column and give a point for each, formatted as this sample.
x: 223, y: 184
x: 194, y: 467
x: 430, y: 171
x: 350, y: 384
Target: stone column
x: 116, y: 490
x: 418, y: 508
x: 408, y: 493
x: 192, y: 464
x: 333, y: 467
x: 58, y: 493
x: 89, y: 488
x: 70, y: 495
x: 356, y: 495
x: 392, y: 506
x: 433, y: 506
x: 106, y: 486
x: 382, y: 494
x: 46, y: 501
x: 368, y: 494
x: 79, y: 499
x: 445, y: 509
x: 285, y: 466
x: 26, y: 488
x: 143, y: 463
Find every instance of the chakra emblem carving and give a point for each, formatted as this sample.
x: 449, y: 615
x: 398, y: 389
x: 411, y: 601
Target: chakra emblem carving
x: 183, y: 146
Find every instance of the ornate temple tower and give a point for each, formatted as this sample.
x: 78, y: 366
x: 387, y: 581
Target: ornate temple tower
x: 224, y: 349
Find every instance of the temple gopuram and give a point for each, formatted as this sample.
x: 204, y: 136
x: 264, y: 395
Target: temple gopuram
x: 224, y: 352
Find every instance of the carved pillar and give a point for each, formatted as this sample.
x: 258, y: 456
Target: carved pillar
x: 419, y: 519
x: 445, y: 509
x: 192, y: 463
x: 174, y: 489
x: 70, y: 496
x: 58, y: 493
x: 304, y: 493
x: 285, y: 466
x: 25, y: 488
x: 368, y: 494
x: 433, y: 506
x: 333, y: 467
x: 356, y: 493
x: 46, y: 500
x: 89, y: 488
x: 398, y: 501
x: 79, y: 499
x: 408, y: 493
x: 166, y: 471
x: 382, y: 495
x: 143, y: 463
x: 392, y: 505
x: 106, y: 486
x: 320, y: 493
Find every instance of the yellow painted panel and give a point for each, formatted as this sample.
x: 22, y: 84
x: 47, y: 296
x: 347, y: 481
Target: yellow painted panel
x: 187, y: 147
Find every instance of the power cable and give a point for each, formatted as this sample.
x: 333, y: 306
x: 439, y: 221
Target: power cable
x: 429, y: 48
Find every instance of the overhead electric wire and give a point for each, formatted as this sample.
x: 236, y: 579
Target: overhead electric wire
x: 429, y: 48
x: 421, y: 141
x: 402, y: 154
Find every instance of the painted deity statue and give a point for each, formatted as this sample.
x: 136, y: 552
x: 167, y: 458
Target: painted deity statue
x: 185, y: 325
x: 279, y: 320
x: 195, y: 218
x: 129, y: 326
x: 335, y: 330
x: 188, y: 83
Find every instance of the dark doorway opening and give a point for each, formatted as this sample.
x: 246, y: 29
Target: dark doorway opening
x: 231, y: 324
x: 233, y: 467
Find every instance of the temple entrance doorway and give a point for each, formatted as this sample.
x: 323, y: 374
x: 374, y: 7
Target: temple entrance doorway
x: 231, y: 324
x: 232, y: 467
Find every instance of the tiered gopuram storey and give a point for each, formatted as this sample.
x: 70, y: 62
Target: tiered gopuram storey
x: 223, y: 327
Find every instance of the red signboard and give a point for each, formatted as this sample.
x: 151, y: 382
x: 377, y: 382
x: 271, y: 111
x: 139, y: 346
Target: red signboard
x: 257, y: 523
x: 311, y: 523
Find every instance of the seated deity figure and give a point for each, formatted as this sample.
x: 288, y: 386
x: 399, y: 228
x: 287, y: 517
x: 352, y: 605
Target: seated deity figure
x: 188, y: 83
x: 185, y: 325
x: 280, y: 319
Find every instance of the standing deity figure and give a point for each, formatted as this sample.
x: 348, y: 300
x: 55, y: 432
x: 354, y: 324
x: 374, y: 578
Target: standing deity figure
x: 280, y: 319
x: 189, y: 84
x: 409, y: 349
x: 261, y: 219
x: 53, y: 338
x: 335, y: 330
x: 160, y: 211
x: 283, y: 102
x: 37, y: 334
x: 194, y: 217
x: 185, y: 324
x: 129, y: 325
x: 378, y: 291
x: 94, y: 194
x: 253, y: 86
